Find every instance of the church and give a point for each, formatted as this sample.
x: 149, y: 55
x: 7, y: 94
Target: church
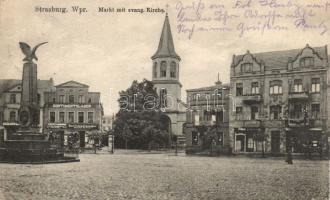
x: 166, y: 80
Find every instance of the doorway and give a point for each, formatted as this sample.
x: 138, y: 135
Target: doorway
x: 275, y: 141
x: 240, y: 143
x: 82, y: 139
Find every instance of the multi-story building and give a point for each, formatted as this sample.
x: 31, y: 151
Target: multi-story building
x: 107, y: 121
x: 10, y: 102
x: 281, y: 96
x: 72, y: 109
x: 208, y: 118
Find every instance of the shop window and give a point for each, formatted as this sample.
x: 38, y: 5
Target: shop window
x: 12, y: 98
x: 155, y: 69
x: 255, y: 88
x: 12, y: 116
x: 297, y: 85
x: 307, y: 62
x: 194, y: 137
x: 250, y: 143
x: 52, y: 117
x: 80, y: 117
x: 71, y: 117
x: 173, y: 70
x: 90, y: 116
x: 163, y: 69
x: 275, y: 112
x: 316, y: 111
x: 196, y: 119
x: 62, y: 117
x: 315, y: 85
x: 239, y: 89
x: 275, y: 87
x: 71, y: 98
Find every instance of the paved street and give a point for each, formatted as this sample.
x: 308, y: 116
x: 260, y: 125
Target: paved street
x: 137, y: 175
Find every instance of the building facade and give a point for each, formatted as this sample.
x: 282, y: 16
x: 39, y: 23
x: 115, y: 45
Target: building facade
x: 208, y: 119
x: 282, y: 98
x: 166, y: 80
x: 10, y: 102
x: 72, y: 109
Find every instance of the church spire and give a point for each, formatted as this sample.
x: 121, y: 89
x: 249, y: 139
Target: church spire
x: 166, y: 45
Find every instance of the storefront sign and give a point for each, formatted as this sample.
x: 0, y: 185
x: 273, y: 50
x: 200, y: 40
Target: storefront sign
x: 83, y: 126
x: 10, y: 124
x: 72, y: 105
x: 53, y: 125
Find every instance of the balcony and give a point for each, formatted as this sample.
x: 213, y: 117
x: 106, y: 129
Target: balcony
x: 298, y: 122
x: 298, y: 96
x: 251, y: 98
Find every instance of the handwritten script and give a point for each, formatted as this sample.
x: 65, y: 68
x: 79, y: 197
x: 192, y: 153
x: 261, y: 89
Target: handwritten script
x: 242, y: 17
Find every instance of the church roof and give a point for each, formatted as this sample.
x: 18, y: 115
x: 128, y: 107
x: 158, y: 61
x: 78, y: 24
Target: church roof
x: 279, y: 59
x: 166, y: 44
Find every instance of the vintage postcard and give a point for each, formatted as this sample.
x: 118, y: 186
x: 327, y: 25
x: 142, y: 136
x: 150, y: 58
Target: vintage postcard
x: 164, y: 99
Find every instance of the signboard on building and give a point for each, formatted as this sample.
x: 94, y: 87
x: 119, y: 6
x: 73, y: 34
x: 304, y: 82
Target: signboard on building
x: 56, y: 125
x: 72, y: 105
x: 83, y: 126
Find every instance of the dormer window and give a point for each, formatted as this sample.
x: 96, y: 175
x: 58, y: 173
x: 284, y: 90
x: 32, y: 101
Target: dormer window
x: 246, y: 67
x: 307, y: 62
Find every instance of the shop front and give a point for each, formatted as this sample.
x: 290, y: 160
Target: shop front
x: 246, y: 140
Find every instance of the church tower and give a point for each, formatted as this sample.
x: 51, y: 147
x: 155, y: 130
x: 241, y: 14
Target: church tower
x: 165, y: 77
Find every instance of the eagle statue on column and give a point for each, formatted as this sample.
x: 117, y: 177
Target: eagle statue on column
x: 29, y: 54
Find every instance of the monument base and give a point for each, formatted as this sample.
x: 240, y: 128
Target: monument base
x: 29, y: 147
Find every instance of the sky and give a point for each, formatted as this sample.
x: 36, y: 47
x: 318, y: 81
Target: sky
x: 107, y: 51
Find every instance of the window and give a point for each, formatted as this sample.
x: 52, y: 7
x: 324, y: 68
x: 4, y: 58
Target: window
x: 315, y: 85
x: 12, y: 116
x: 250, y: 143
x: 254, y: 113
x: 163, y: 98
x: 315, y: 111
x: 239, y: 112
x: 52, y: 117
x: 81, y: 99
x: 54, y: 100
x: 194, y: 137
x: 246, y: 67
x: 89, y: 100
x: 196, y: 119
x: 80, y: 117
x: 163, y: 69
x: 90, y: 116
x: 61, y: 98
x: 297, y: 85
x: 71, y: 98
x: 239, y: 89
x: 61, y: 117
x: 12, y: 98
x: 38, y: 98
x: 307, y: 62
x: 1, y: 121
x: 173, y: 70
x: 275, y: 87
x: 71, y: 117
x: 275, y: 112
x: 255, y: 88
x: 155, y: 69
x: 297, y: 112
x: 220, y: 138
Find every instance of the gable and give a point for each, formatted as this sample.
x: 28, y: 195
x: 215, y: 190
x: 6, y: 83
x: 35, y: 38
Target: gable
x: 74, y: 84
x: 16, y: 88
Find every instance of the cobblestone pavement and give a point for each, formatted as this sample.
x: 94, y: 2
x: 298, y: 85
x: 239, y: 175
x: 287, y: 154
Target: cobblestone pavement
x: 165, y: 176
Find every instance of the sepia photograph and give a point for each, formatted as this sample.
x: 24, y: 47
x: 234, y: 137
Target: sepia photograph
x: 164, y: 99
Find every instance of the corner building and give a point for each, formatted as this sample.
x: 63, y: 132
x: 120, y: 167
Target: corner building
x: 283, y: 95
x: 71, y: 109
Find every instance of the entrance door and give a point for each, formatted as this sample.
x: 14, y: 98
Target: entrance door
x: 82, y: 138
x: 240, y: 143
x: 275, y: 141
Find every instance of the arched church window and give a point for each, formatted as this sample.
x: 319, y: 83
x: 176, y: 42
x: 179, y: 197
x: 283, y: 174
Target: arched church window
x: 163, y: 69
x: 173, y: 70
x: 155, y: 69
